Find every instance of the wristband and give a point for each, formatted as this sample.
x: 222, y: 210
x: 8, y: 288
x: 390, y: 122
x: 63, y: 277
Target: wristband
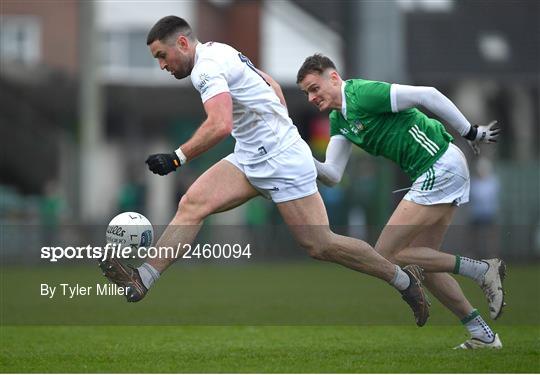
x: 473, y: 132
x: 181, y: 156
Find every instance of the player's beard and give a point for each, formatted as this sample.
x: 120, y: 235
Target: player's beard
x: 185, y: 71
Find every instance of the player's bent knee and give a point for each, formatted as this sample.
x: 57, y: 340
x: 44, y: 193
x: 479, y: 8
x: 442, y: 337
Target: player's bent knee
x: 324, y: 246
x: 192, y: 209
x: 316, y: 250
x: 317, y: 245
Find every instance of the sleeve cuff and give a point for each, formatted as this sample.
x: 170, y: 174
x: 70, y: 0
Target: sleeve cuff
x: 393, y: 99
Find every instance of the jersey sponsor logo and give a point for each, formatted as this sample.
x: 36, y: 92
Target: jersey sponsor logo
x: 344, y: 131
x: 203, y: 80
x: 422, y: 139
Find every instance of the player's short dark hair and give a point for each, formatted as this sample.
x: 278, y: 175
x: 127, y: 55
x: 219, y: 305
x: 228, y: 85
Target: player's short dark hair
x: 317, y: 63
x: 167, y: 27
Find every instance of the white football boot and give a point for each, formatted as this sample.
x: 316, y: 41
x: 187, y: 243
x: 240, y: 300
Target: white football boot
x: 491, y: 284
x: 473, y: 343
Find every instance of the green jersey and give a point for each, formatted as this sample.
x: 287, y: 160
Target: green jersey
x: 409, y: 138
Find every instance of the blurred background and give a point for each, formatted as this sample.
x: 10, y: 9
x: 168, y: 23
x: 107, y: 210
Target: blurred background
x: 83, y: 103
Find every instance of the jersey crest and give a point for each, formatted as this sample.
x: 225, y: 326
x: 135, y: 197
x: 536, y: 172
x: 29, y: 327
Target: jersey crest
x: 357, y: 126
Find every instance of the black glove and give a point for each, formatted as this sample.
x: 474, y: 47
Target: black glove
x: 162, y: 164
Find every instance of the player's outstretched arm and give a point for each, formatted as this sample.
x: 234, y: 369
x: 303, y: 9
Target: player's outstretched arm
x: 404, y: 97
x: 216, y: 127
x: 337, y: 156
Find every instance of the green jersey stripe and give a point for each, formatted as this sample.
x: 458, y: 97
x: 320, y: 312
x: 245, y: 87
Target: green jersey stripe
x: 425, y: 137
x: 432, y: 153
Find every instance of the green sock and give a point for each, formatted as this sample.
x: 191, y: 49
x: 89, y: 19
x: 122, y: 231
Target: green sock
x: 456, y: 266
x: 470, y: 317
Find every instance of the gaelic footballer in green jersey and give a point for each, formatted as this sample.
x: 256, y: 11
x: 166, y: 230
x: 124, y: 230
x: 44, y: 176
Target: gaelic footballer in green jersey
x: 409, y: 138
x: 382, y: 119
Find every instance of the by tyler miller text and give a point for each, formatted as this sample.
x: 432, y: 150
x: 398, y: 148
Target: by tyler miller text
x: 77, y: 290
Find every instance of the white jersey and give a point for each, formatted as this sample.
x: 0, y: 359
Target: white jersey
x: 261, y: 125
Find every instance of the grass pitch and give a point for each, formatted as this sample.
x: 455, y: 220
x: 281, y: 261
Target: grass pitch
x: 195, y: 349
x: 353, y: 324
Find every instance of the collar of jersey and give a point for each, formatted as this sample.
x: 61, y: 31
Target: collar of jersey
x: 198, y: 47
x: 343, y: 101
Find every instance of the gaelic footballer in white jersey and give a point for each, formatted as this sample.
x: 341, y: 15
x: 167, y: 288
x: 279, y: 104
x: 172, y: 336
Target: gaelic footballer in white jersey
x: 261, y: 125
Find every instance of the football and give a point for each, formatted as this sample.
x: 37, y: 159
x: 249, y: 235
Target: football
x: 130, y: 229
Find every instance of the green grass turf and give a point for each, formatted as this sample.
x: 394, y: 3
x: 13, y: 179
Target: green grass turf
x: 304, y: 317
x: 308, y: 349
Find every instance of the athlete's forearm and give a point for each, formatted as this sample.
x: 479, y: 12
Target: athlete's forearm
x: 207, y: 135
x: 337, y: 155
x: 404, y: 97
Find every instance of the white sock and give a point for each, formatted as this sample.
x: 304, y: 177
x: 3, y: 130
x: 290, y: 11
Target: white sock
x: 475, y: 269
x: 400, y: 280
x: 477, y: 327
x: 148, y: 274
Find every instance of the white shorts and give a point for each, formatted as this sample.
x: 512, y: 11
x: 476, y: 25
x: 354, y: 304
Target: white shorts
x: 447, y: 181
x: 287, y: 176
